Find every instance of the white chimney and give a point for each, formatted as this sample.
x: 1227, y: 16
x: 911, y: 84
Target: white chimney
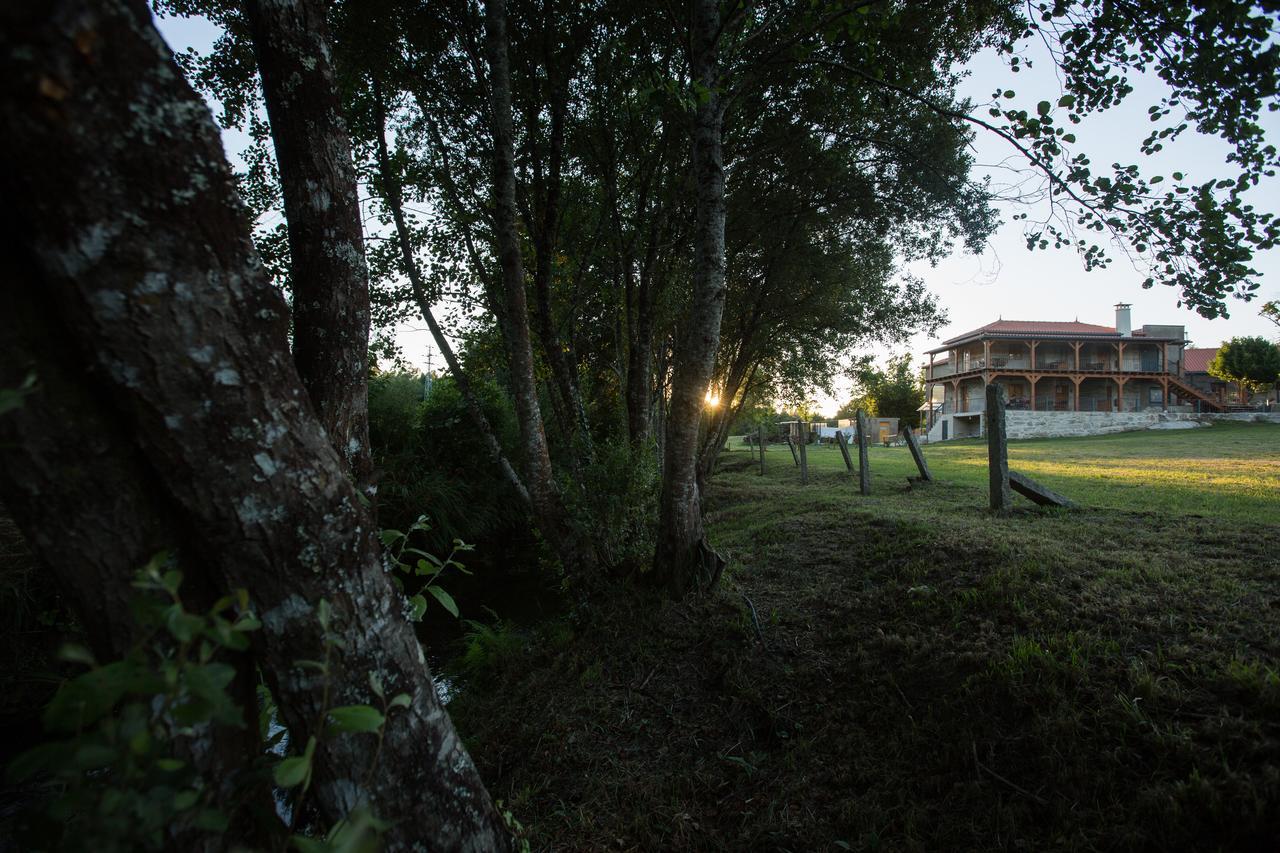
x: 1124, y: 327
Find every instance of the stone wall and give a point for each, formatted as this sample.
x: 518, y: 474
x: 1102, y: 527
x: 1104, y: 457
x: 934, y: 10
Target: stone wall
x: 1025, y: 424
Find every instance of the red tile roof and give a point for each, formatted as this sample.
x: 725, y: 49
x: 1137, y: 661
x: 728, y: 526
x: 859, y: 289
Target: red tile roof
x: 1037, y: 327
x: 1197, y: 360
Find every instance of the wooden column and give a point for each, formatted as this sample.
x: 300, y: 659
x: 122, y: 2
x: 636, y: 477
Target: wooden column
x: 1034, y: 379
x: 1164, y: 395
x: 986, y: 354
x: 1120, y: 358
x: 804, y: 453
x: 1120, y: 393
x: 1075, y: 398
x: 844, y: 449
x: 997, y: 450
x: 1164, y: 357
x: 761, y: 439
x: 864, y: 466
x: 1076, y: 347
x: 918, y: 456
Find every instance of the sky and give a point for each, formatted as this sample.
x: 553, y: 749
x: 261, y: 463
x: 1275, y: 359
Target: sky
x: 1007, y: 280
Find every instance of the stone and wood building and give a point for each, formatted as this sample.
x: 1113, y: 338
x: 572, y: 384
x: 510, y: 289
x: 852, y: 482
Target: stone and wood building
x: 1060, y: 367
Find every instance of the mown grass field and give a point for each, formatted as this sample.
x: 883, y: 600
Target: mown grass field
x: 920, y: 674
x: 1224, y: 471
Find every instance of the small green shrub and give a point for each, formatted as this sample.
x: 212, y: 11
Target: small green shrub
x: 616, y: 503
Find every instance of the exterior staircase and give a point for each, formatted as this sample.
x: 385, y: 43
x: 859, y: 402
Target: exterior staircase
x: 1185, y: 389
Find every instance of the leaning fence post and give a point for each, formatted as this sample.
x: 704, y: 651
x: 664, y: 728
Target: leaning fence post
x: 791, y: 445
x: 844, y: 448
x: 804, y: 454
x: 761, y: 442
x: 997, y: 450
x: 916, y: 454
x: 864, y: 466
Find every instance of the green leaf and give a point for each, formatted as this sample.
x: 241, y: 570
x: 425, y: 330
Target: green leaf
x: 375, y: 684
x: 418, y: 606
x: 75, y: 653
x: 400, y: 700
x: 182, y: 625
x: 390, y: 537
x: 1043, y: 108
x: 1067, y: 101
x: 445, y: 599
x: 184, y: 800
x: 171, y: 581
x: 355, y: 718
x: 296, y: 771
x: 211, y: 820
x: 48, y: 757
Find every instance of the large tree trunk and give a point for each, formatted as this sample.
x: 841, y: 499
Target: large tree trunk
x: 573, y: 549
x: 683, y: 560
x: 148, y: 278
x: 105, y: 493
x: 327, y: 271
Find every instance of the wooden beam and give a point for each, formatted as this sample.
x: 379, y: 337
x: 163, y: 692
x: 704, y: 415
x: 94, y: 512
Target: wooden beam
x: 864, y: 466
x: 997, y: 450
x: 914, y: 445
x: 795, y: 457
x: 761, y: 438
x: 843, y: 443
x: 1037, y: 493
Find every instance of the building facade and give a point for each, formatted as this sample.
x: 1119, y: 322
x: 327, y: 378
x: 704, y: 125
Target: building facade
x: 1059, y: 366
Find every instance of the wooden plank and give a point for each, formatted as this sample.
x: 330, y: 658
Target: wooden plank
x: 914, y: 445
x: 997, y: 450
x: 761, y: 436
x: 795, y: 457
x: 1037, y: 493
x: 864, y: 466
x: 804, y: 454
x: 844, y: 449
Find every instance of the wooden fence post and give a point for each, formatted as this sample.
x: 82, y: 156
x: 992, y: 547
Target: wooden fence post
x: 914, y: 445
x: 791, y: 445
x: 844, y: 449
x: 804, y: 454
x: 761, y: 436
x: 997, y: 450
x: 864, y: 466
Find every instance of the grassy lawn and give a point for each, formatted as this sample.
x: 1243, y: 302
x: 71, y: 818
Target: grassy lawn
x: 1224, y: 471
x: 921, y: 675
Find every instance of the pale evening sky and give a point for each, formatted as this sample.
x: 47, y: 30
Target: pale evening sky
x: 1007, y: 280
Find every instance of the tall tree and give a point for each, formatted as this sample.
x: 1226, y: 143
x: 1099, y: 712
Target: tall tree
x: 553, y: 520
x: 683, y: 559
x: 328, y: 276
x: 147, y: 282
x: 1252, y: 363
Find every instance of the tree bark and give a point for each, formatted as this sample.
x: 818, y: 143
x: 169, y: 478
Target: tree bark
x: 147, y: 274
x: 574, y: 551
x: 683, y: 560
x: 327, y: 273
x: 105, y: 493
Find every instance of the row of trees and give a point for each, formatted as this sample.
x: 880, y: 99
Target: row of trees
x: 630, y: 203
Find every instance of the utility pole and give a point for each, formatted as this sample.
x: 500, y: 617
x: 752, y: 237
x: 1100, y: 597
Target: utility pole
x: 426, y: 380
